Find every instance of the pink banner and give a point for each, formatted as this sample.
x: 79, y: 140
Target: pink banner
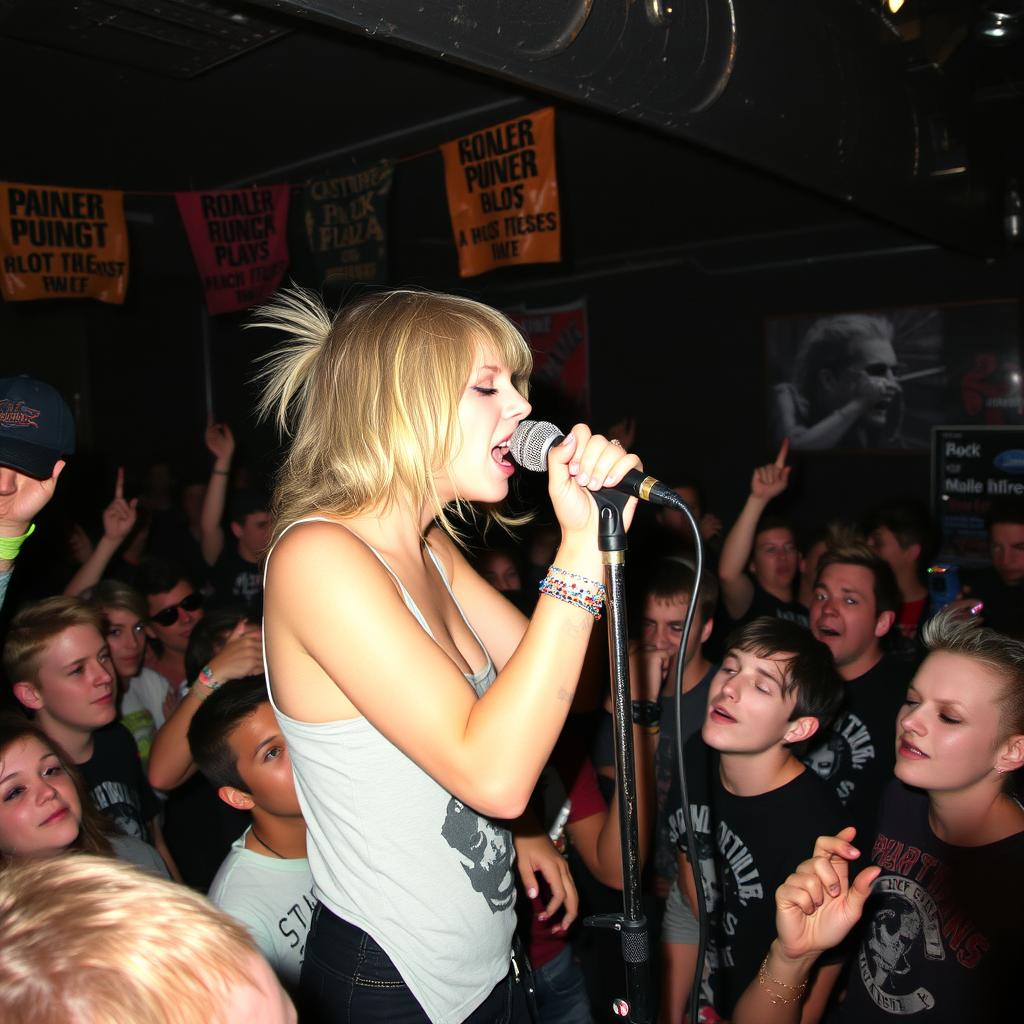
x: 240, y: 243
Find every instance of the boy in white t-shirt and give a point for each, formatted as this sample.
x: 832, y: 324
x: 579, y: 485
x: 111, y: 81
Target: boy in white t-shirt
x: 146, y: 697
x: 265, y: 881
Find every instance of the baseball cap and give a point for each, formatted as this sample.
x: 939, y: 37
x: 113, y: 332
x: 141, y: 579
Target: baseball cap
x: 36, y: 427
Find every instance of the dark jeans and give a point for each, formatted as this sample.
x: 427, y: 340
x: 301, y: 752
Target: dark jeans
x: 348, y: 979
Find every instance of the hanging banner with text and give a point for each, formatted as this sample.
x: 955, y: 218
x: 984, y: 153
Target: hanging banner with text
x: 558, y: 338
x: 346, y: 222
x: 239, y: 241
x: 62, y: 243
x: 503, y: 194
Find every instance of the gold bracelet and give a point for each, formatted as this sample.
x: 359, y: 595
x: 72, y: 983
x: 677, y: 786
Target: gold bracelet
x: 763, y: 978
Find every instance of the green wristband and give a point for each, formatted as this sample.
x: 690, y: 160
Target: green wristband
x: 10, y: 546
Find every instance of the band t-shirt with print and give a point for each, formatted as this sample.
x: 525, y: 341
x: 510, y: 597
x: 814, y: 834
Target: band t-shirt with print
x: 856, y: 756
x: 748, y: 846
x: 939, y: 939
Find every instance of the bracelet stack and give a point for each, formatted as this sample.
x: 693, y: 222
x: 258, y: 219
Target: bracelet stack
x: 764, y: 979
x: 574, y: 589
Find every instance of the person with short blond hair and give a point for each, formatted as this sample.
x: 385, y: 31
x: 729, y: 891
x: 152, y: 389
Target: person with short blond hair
x: 90, y: 941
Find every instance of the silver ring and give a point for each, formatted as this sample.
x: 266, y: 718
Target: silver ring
x: 618, y: 444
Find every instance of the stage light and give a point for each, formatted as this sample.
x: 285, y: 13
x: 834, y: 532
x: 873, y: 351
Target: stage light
x: 1002, y: 21
x: 894, y: 6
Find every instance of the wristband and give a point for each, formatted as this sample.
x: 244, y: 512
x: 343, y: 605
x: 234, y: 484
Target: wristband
x: 646, y: 712
x: 10, y: 546
x: 207, y: 680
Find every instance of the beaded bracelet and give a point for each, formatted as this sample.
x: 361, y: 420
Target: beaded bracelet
x: 572, y: 588
x: 10, y: 546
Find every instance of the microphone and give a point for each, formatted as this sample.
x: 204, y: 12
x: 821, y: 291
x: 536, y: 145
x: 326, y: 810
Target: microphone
x: 532, y: 440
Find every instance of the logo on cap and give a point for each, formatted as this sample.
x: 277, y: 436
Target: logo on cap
x: 17, y: 414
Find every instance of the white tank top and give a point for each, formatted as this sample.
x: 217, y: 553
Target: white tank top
x: 394, y: 853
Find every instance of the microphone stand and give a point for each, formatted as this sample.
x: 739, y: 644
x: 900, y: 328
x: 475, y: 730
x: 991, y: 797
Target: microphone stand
x: 631, y: 923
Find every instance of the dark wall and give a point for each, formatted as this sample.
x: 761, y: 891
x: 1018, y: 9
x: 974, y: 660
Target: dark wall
x: 678, y: 347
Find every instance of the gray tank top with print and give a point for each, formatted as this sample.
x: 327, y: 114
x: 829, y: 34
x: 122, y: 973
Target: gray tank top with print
x: 394, y: 853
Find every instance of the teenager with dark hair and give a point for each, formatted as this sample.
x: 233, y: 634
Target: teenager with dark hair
x: 264, y: 881
x: 753, y: 805
x: 760, y: 559
x: 175, y: 605
x: 902, y: 534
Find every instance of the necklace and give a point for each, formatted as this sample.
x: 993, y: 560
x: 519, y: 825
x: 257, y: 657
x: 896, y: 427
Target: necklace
x: 256, y: 836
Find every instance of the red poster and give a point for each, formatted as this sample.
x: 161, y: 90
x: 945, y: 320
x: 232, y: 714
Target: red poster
x: 558, y: 338
x: 240, y: 243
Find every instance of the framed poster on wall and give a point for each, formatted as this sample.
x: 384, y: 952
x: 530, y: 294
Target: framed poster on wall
x: 882, y: 380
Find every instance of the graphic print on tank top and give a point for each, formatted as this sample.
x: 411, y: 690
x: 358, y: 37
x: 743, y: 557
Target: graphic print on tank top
x: 485, y: 852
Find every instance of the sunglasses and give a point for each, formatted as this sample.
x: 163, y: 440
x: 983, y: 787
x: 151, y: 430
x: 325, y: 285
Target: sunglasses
x: 169, y: 616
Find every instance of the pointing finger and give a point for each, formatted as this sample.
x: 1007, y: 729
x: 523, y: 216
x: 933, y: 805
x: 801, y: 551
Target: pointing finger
x: 119, y: 483
x: 780, y: 459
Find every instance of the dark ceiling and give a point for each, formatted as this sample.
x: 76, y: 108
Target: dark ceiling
x: 153, y: 96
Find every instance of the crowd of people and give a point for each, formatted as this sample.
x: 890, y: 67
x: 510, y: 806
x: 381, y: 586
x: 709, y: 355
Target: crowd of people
x: 359, y: 728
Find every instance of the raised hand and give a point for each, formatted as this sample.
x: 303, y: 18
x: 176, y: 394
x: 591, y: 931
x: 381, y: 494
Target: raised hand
x: 119, y: 516
x: 649, y: 667
x: 770, y: 480
x: 817, y: 906
x: 23, y: 497
x: 241, y: 656
x: 220, y: 441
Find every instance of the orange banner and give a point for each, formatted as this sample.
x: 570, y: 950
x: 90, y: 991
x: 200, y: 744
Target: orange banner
x: 62, y: 243
x: 503, y: 194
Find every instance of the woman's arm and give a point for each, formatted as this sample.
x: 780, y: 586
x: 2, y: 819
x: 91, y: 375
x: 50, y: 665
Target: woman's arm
x: 335, y: 609
x: 815, y: 909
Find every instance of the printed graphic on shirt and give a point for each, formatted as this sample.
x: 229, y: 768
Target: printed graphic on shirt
x: 294, y: 923
x: 120, y: 803
x: 848, y: 749
x: 485, y: 851
x: 914, y: 922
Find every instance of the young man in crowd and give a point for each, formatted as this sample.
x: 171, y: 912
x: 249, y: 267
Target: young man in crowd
x: 1000, y: 588
x: 175, y: 607
x: 854, y: 608
x: 90, y: 939
x: 234, y: 567
x: 753, y: 804
x: 759, y: 562
x: 59, y: 663
x: 265, y: 881
x: 902, y: 535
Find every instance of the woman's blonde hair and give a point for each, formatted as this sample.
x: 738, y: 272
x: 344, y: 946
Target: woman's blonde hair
x: 369, y: 397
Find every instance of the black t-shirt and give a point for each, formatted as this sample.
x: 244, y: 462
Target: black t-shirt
x: 939, y: 940
x: 694, y: 708
x: 1004, y: 605
x: 762, y: 604
x: 116, y: 783
x: 748, y: 846
x: 236, y: 581
x: 857, y: 754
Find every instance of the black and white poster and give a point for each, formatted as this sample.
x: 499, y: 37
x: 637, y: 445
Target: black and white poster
x: 883, y: 379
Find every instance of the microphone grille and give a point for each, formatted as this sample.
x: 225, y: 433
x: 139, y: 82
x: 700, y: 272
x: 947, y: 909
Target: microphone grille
x: 530, y: 443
